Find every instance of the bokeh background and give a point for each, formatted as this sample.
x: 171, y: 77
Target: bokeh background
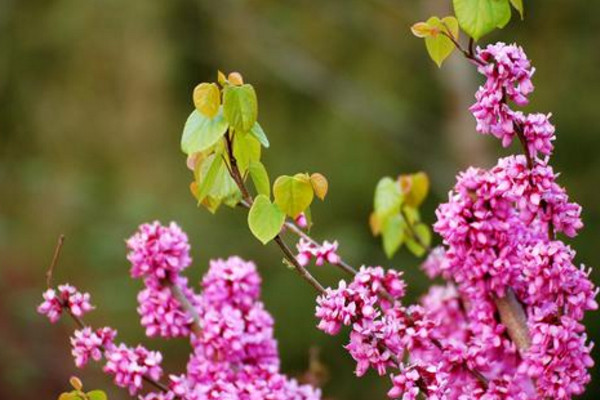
x: 93, y: 97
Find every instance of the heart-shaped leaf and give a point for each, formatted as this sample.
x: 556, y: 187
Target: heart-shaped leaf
x: 388, y: 197
x: 201, y: 132
x: 265, y: 219
x: 240, y: 107
x: 207, y: 99
x: 479, y: 17
x: 438, y: 45
x: 293, y: 194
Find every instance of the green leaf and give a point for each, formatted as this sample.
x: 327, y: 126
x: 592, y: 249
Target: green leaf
x: 223, y: 189
x: 293, y: 194
x: 207, y: 99
x: 97, y: 395
x: 69, y: 396
x: 240, y: 107
x: 257, y: 132
x: 411, y: 215
x: 245, y: 149
x: 418, y: 246
x: 415, y: 188
x: 518, y: 5
x: 393, y: 234
x: 388, y: 197
x: 260, y: 178
x: 216, y: 163
x: 200, y: 132
x: 438, y: 45
x: 265, y: 219
x: 479, y: 17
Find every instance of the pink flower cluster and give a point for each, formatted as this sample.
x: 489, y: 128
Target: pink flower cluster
x: 499, y: 228
x: 235, y: 354
x: 65, y: 298
x: 158, y: 254
x: 129, y: 366
x: 307, y: 250
x: 508, y: 73
x: 89, y: 344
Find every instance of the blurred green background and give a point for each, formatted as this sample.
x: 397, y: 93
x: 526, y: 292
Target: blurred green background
x: 93, y: 98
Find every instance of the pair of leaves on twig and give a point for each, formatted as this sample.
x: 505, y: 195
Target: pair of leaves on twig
x: 292, y: 195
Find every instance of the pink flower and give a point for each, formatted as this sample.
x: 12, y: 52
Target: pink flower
x: 130, y: 365
x: 91, y: 344
x: 67, y: 297
x: 327, y: 252
x: 158, y: 252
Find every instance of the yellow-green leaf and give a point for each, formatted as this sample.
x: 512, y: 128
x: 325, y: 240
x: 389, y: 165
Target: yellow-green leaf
x: 415, y: 188
x: 240, y: 107
x: 438, y: 45
x: 260, y: 178
x: 258, y: 133
x: 207, y: 99
x: 319, y: 184
x: 393, y: 234
x: 518, y: 5
x: 388, y: 197
x: 421, y: 29
x: 418, y: 245
x: 96, y: 395
x: 479, y: 17
x: 206, y: 184
x: 265, y: 219
x: 201, y: 132
x: 246, y: 149
x: 293, y: 194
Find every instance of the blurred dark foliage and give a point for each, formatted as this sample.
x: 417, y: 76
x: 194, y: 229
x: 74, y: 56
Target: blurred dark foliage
x: 93, y: 97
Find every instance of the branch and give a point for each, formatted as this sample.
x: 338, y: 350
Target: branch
x: 186, y: 305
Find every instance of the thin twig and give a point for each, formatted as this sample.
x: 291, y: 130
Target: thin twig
x: 57, y: 250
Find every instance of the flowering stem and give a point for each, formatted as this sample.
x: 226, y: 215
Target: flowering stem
x: 80, y: 322
x: 302, y: 271
x: 344, y: 266
x: 299, y: 268
x: 512, y: 314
